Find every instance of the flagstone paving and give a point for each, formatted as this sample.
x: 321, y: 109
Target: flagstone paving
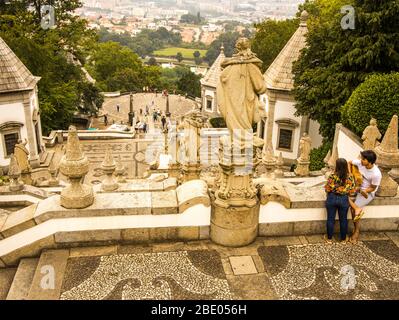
x: 270, y: 268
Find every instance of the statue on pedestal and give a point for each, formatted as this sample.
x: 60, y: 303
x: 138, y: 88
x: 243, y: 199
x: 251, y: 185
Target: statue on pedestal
x: 235, y: 213
x: 22, y: 155
x: 371, y: 135
x: 305, y: 146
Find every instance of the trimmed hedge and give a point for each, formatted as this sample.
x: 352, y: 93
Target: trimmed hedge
x: 377, y: 97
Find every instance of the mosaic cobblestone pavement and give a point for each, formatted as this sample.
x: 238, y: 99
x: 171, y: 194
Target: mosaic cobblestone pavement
x: 157, y: 276
x: 369, y: 270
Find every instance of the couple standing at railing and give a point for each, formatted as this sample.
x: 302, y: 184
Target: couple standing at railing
x: 360, y: 177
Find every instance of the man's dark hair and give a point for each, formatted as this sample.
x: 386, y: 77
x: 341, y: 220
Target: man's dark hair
x: 369, y: 155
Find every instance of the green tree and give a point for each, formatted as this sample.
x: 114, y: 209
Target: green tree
x: 337, y: 61
x: 189, y: 83
x: 377, y: 97
x: 228, y: 40
x: 152, y: 62
x: 111, y: 57
x: 50, y: 54
x: 270, y: 38
x: 179, y: 57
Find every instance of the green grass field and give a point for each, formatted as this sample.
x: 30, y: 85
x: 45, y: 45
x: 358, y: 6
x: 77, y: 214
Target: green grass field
x: 171, y: 52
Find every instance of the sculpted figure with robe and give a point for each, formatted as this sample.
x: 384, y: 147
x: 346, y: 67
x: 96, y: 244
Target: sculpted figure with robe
x: 305, y: 146
x: 370, y: 136
x: 22, y: 155
x: 240, y: 85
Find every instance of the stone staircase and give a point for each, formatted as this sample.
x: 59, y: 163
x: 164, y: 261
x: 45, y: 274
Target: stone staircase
x: 46, y: 158
x: 35, y: 278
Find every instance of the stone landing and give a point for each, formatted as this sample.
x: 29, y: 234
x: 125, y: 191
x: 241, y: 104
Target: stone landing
x: 271, y: 268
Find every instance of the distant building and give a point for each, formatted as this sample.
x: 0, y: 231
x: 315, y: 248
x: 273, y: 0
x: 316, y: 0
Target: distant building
x: 209, y: 84
x: 19, y: 108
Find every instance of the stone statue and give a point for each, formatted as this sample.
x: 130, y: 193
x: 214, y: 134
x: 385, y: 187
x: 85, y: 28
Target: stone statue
x: 22, y: 155
x: 240, y: 85
x: 370, y: 136
x: 305, y: 146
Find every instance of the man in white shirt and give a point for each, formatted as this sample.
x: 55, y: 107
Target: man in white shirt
x: 372, y: 176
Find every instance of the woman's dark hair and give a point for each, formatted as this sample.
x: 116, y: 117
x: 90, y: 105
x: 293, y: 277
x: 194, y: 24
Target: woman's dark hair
x: 341, y: 169
x: 369, y: 155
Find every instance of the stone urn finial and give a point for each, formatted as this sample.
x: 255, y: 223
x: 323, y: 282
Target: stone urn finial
x: 278, y: 173
x: 14, y: 172
x: 388, y: 158
x: 120, y: 170
x: 75, y: 166
x: 268, y: 159
x: 108, y: 166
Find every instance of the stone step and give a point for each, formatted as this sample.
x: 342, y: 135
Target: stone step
x: 47, y: 281
x: 6, y: 278
x: 23, y: 279
x: 45, y: 163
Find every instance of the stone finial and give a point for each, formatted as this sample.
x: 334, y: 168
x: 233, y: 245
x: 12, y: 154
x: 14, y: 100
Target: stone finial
x: 333, y: 159
x: 108, y: 166
x: 268, y: 159
x: 388, y: 158
x: 75, y: 166
x: 304, y: 17
x: 331, y: 162
x: 53, y: 182
x: 14, y: 172
x: 120, y: 170
x: 222, y: 48
x: 278, y: 173
x: 327, y: 157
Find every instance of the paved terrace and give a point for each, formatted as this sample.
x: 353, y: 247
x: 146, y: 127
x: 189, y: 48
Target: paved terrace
x: 300, y: 267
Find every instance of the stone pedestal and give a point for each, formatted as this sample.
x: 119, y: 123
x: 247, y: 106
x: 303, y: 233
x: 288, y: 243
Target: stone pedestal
x: 234, y: 226
x: 77, y: 195
x: 235, y: 211
x: 302, y: 169
x: 27, y: 178
x: 387, y: 159
x: 388, y: 187
x: 191, y: 172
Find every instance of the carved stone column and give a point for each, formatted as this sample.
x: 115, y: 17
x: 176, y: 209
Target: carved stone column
x: 387, y: 159
x: 193, y: 123
x: 75, y: 166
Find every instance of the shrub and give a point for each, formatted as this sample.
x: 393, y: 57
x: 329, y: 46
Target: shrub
x: 218, y: 122
x: 377, y: 97
x: 317, y: 156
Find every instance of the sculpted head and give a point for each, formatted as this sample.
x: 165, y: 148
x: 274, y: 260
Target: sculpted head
x: 373, y: 122
x: 243, y: 44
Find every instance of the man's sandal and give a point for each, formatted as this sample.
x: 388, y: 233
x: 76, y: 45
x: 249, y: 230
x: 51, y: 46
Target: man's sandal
x: 359, y: 216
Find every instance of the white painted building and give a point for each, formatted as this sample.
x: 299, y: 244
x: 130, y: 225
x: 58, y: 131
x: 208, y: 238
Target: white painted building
x: 281, y: 125
x: 208, y: 86
x: 19, y: 108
